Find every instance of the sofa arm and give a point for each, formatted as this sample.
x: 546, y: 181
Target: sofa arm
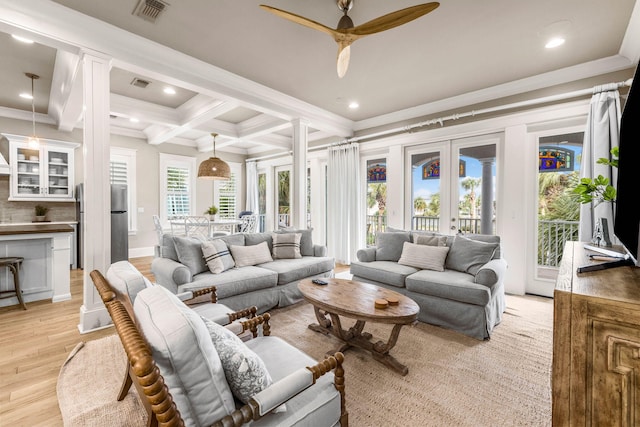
x: 281, y: 391
x: 170, y: 273
x: 492, y: 272
x: 319, y: 250
x: 366, y: 254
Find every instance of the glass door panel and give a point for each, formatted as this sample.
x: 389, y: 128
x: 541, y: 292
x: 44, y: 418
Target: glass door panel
x: 58, y: 172
x: 28, y: 171
x: 426, y: 190
x: 376, y: 198
x: 283, y: 198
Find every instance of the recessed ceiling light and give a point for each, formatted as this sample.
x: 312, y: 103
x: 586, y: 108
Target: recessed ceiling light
x: 169, y: 91
x: 353, y: 105
x: 134, y: 120
x: 26, y: 95
x: 22, y: 39
x: 554, y: 42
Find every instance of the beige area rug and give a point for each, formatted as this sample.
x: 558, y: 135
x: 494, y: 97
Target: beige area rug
x: 453, y: 380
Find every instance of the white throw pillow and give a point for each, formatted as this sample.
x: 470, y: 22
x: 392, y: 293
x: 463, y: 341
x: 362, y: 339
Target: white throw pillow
x: 423, y: 256
x: 217, y: 256
x: 251, y: 255
x: 286, y: 245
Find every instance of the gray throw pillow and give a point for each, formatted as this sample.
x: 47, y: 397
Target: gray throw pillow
x: 389, y: 245
x: 251, y: 255
x: 468, y: 255
x: 286, y: 245
x: 255, y: 238
x: 422, y: 239
x: 189, y: 252
x: 245, y: 371
x: 487, y: 238
x: 217, y: 256
x: 306, y: 241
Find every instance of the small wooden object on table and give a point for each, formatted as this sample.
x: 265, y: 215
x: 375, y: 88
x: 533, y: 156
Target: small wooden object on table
x: 357, y: 300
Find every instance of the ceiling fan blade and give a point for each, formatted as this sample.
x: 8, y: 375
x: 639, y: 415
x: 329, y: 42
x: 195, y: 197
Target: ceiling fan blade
x: 301, y: 20
x: 392, y: 20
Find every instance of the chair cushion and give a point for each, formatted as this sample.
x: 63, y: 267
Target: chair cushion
x: 126, y: 279
x: 251, y: 255
x: 246, y: 373
x: 388, y: 272
x: 187, y: 359
x: 468, y: 255
x: 189, y: 250
x: 290, y: 270
x: 217, y: 256
x: 286, y: 245
x: 423, y: 256
x: 389, y: 245
x: 306, y: 241
x: 233, y: 282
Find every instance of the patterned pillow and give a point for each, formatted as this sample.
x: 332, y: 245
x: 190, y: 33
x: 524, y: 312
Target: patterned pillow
x: 246, y: 373
x: 306, y: 241
x: 217, y: 256
x: 251, y: 255
x: 286, y: 246
x: 425, y: 257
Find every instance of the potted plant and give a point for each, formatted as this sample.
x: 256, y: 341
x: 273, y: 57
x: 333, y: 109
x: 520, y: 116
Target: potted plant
x: 41, y: 212
x: 211, y: 212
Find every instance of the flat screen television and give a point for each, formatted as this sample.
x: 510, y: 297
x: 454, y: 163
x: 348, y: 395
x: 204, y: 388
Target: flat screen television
x: 626, y: 223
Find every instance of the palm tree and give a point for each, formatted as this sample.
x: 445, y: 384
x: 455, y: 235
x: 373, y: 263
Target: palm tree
x: 470, y: 184
x: 378, y: 194
x: 419, y: 205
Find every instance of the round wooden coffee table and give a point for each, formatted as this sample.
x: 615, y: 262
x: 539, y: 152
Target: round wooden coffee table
x: 356, y: 300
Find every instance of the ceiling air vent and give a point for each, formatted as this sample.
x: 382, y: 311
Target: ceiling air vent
x: 150, y: 10
x: 140, y: 83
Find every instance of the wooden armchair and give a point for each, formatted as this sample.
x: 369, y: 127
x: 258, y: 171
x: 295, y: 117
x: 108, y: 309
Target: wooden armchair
x: 306, y: 396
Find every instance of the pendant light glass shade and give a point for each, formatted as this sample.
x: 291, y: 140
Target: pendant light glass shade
x: 34, y: 141
x: 214, y: 167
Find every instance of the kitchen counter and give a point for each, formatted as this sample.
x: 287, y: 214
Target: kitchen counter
x: 46, y: 249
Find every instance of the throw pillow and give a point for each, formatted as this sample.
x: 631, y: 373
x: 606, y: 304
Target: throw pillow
x: 246, y: 373
x: 421, y: 239
x: 468, y: 255
x: 389, y: 245
x: 286, y: 245
x: 189, y: 251
x: 217, y: 256
x: 306, y: 241
x: 425, y: 257
x: 251, y: 255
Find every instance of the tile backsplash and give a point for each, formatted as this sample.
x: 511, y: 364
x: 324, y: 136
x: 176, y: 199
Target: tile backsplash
x: 14, y: 212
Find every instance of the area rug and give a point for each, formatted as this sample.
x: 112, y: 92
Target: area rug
x: 453, y: 380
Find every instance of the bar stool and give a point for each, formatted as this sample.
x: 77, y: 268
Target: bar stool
x: 13, y: 264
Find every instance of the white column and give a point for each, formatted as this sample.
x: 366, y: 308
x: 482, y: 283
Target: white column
x: 486, y: 208
x: 299, y: 182
x: 97, y: 215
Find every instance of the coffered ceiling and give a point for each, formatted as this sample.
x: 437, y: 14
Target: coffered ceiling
x: 248, y: 75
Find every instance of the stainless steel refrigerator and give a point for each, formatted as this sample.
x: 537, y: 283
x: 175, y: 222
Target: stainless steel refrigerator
x: 119, y: 223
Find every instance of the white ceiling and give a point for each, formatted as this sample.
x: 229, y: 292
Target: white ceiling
x: 247, y: 74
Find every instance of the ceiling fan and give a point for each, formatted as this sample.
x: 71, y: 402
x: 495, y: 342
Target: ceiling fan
x: 346, y: 33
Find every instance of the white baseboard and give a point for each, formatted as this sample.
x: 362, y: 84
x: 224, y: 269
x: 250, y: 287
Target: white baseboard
x: 140, y: 252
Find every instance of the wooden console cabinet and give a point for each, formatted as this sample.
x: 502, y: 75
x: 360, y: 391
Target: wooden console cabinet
x: 596, y: 344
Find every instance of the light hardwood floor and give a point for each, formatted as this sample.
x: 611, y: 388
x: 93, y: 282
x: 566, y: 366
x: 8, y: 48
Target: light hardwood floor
x: 34, y: 344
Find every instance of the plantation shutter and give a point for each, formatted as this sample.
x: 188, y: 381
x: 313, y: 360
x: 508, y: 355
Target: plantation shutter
x: 118, y: 173
x: 227, y: 198
x: 178, y: 191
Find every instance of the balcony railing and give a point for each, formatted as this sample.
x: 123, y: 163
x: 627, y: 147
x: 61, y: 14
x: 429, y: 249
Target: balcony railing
x: 552, y: 235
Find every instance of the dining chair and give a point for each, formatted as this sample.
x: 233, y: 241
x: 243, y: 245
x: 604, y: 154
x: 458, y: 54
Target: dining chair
x: 178, y: 225
x: 197, y: 226
x: 249, y: 223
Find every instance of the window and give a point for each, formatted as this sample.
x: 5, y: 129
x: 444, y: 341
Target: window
x: 177, y: 186
x: 122, y: 170
x: 227, y: 194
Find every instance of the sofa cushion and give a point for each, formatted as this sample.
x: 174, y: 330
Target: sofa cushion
x: 255, y: 238
x: 306, y: 241
x: 449, y: 284
x: 217, y: 256
x: 189, y: 250
x: 126, y: 279
x: 389, y: 245
x: 423, y: 256
x: 168, y: 248
x: 185, y: 355
x: 236, y: 281
x: 286, y: 245
x: 246, y: 373
x: 320, y: 402
x: 422, y: 239
x: 388, y: 272
x: 468, y: 255
x: 232, y: 239
x: 290, y: 270
x: 251, y: 255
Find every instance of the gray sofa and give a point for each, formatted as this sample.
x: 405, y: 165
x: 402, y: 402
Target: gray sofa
x: 180, y: 266
x: 456, y: 280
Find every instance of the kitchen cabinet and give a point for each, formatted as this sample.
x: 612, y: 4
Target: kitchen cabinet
x: 43, y: 173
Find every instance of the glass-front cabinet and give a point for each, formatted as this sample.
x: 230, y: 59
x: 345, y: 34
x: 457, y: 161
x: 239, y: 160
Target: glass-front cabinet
x: 44, y: 172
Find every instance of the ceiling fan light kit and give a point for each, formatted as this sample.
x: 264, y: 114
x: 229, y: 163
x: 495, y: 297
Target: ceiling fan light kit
x: 346, y: 33
x: 214, y: 167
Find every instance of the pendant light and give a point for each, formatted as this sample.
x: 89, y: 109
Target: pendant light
x: 34, y: 141
x: 214, y: 167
